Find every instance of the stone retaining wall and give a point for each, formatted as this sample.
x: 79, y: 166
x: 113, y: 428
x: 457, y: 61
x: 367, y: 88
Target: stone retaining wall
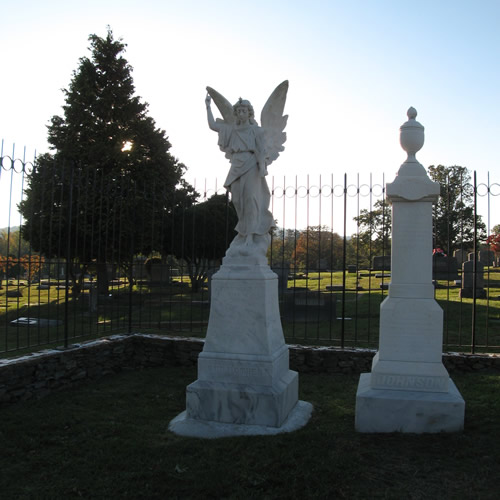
x: 38, y: 374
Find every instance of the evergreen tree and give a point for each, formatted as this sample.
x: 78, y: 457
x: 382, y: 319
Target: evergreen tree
x: 109, y: 184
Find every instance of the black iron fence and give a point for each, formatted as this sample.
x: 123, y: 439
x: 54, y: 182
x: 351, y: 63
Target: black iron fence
x: 84, y: 254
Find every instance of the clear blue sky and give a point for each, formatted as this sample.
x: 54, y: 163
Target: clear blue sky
x: 354, y: 69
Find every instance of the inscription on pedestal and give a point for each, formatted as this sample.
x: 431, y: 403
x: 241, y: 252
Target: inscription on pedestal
x: 234, y: 370
x: 408, y: 382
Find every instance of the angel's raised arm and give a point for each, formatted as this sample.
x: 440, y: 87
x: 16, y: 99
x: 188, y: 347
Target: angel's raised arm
x: 210, y: 117
x: 224, y: 106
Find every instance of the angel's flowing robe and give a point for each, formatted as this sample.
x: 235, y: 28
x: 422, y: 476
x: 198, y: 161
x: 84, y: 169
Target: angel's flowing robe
x: 249, y: 190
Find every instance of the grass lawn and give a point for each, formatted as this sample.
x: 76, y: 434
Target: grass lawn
x: 174, y: 309
x: 110, y: 440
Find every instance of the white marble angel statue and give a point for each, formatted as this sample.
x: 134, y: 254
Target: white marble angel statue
x: 251, y: 149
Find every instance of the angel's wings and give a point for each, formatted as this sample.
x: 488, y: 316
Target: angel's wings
x: 273, y: 122
x: 223, y: 105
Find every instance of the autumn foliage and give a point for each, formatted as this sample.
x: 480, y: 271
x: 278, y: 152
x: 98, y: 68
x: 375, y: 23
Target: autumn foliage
x: 494, y: 242
x: 32, y: 264
x: 318, y: 248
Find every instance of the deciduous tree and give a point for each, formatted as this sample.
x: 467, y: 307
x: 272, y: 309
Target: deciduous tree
x: 494, y: 239
x: 453, y: 214
x: 282, y: 246
x: 201, y: 235
x: 374, y: 233
x: 11, y: 242
x: 32, y: 264
x: 318, y: 249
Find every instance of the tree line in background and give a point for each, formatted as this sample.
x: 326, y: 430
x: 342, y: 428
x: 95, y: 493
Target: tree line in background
x: 201, y: 232
x: 453, y: 229
x: 109, y: 190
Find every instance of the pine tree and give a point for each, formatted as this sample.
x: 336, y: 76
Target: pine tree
x: 108, y: 185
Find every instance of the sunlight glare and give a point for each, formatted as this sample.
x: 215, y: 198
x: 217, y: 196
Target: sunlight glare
x: 127, y: 146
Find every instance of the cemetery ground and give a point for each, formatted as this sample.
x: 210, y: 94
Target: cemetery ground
x: 316, y: 310
x: 109, y: 439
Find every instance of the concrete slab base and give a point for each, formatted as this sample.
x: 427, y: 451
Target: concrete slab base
x: 184, y: 426
x: 385, y: 410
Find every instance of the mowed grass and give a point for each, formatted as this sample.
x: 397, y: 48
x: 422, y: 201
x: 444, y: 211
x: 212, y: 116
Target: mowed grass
x: 110, y: 440
x: 174, y: 309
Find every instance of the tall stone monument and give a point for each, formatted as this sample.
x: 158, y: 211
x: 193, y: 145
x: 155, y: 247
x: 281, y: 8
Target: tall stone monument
x: 244, y: 383
x: 409, y: 389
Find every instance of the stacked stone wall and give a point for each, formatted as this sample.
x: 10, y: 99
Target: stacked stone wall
x: 39, y: 374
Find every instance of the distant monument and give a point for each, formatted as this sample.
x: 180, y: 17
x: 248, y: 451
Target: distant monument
x: 244, y: 382
x: 461, y: 256
x: 444, y: 268
x: 381, y: 263
x: 409, y: 389
x: 472, y: 275
x: 487, y: 257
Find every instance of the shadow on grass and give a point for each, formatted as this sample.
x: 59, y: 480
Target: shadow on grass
x: 161, y: 311
x: 174, y: 310
x: 110, y: 440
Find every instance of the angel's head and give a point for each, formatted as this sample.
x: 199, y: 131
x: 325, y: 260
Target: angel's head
x: 243, y: 111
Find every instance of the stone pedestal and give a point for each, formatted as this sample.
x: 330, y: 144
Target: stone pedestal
x: 244, y: 382
x: 409, y: 389
x: 407, y: 411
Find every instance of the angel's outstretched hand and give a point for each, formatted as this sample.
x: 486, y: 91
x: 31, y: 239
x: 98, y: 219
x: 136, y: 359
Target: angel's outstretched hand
x: 208, y: 100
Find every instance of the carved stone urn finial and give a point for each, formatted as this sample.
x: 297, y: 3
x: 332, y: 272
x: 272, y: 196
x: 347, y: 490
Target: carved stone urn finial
x: 411, y: 135
x: 412, y: 181
x: 411, y: 138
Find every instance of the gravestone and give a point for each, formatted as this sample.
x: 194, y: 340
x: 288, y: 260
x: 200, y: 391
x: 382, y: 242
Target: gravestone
x: 321, y: 265
x: 444, y: 268
x: 352, y: 269
x: 282, y: 272
x: 467, y: 290
x: 93, y: 296
x: 42, y: 322
x: 487, y: 257
x: 309, y: 305
x: 381, y: 263
x: 334, y: 288
x: 409, y: 389
x: 461, y: 256
x: 244, y: 383
x: 139, y: 270
x: 159, y: 273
